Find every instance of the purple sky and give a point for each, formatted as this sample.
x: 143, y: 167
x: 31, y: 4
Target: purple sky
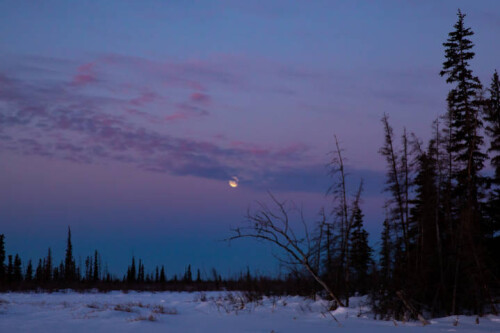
x: 126, y: 119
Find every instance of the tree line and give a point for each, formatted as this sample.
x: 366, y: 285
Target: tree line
x: 46, y: 275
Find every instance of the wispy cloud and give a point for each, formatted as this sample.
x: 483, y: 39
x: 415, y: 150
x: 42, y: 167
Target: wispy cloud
x: 59, y: 121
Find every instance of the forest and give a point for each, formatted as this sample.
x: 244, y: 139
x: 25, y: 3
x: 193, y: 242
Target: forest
x: 437, y: 253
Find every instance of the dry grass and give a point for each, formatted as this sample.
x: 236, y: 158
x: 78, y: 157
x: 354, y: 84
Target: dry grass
x: 160, y: 309
x: 123, y: 308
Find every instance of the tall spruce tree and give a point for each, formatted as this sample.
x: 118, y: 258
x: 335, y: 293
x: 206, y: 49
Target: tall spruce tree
x: 163, y: 278
x: 426, y: 271
x: 29, y: 272
x: 39, y: 273
x: 360, y: 253
x: 2, y: 258
x: 10, y: 269
x: 492, y: 225
x: 470, y: 288
x: 97, y: 265
x: 47, y: 268
x: 464, y: 107
x: 69, y: 261
x: 17, y: 274
x: 131, y: 273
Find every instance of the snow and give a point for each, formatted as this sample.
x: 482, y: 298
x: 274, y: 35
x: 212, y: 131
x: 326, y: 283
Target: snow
x: 203, y: 312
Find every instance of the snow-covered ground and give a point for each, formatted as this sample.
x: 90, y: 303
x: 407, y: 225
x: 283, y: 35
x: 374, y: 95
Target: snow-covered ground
x: 202, y: 312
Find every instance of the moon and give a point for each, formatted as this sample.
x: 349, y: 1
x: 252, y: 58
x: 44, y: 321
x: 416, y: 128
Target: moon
x: 234, y: 182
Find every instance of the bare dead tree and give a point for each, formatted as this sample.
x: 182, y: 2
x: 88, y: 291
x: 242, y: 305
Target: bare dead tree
x: 274, y: 226
x: 394, y: 184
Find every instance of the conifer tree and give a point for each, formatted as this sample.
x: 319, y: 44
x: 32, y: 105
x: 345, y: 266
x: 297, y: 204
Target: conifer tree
x: 163, y: 278
x: 360, y: 252
x: 48, y: 267
x: 131, y: 274
x: 386, y: 253
x: 464, y: 106
x: 464, y: 101
x: 29, y: 272
x: 96, y: 267
x: 140, y: 273
x: 198, y: 275
x: 17, y: 273
x: 39, y: 274
x: 69, y: 262
x: 88, y: 269
x: 188, y: 276
x: 10, y: 270
x: 492, y: 225
x: 2, y: 258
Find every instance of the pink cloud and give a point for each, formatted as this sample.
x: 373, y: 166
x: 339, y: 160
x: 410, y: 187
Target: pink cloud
x: 201, y: 98
x: 85, y: 74
x: 176, y: 116
x: 144, y: 98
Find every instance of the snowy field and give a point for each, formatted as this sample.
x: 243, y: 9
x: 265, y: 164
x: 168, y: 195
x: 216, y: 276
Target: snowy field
x: 202, y: 312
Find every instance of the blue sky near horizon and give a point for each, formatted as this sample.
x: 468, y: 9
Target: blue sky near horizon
x: 126, y: 119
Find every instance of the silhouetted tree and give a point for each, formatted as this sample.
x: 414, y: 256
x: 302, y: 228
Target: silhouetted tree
x: 188, y: 276
x: 360, y: 253
x: 17, y: 273
x: 163, y: 278
x: 464, y: 102
x: 96, y: 267
x: 39, y: 274
x: 47, y: 268
x: 10, y: 270
x: 2, y: 258
x: 492, y: 224
x: 198, y: 276
x: 29, y: 272
x: 131, y: 273
x: 69, y: 261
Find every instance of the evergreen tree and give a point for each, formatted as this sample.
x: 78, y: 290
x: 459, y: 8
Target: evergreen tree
x: 39, y: 274
x: 464, y: 101
x: 198, y: 276
x: 163, y: 278
x: 10, y: 270
x: 188, y: 276
x: 386, y: 254
x: 96, y: 267
x: 131, y: 274
x: 2, y: 258
x: 360, y: 253
x: 140, y: 274
x: 492, y: 225
x: 69, y: 262
x: 48, y: 267
x: 88, y: 269
x: 17, y: 274
x: 55, y: 274
x: 464, y: 106
x: 29, y: 272
x: 493, y: 128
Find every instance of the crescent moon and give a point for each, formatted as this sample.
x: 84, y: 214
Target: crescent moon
x: 234, y: 182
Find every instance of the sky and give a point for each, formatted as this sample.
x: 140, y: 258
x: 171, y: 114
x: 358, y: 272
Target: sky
x: 125, y: 120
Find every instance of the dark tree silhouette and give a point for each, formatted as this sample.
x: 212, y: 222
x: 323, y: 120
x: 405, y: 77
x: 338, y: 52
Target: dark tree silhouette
x: 2, y: 258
